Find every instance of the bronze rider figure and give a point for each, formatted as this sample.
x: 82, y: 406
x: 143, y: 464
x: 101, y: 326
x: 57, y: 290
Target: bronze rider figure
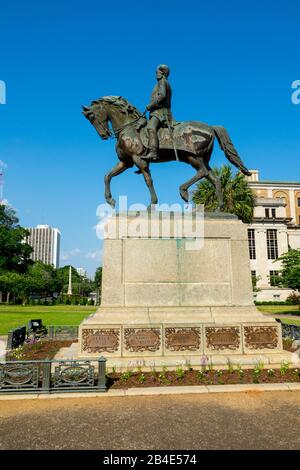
x: 159, y: 109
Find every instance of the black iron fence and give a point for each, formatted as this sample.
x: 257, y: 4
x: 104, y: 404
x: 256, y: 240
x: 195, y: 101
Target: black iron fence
x: 18, y: 336
x: 52, y: 376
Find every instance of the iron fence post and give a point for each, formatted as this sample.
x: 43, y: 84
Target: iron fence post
x: 51, y: 332
x: 9, y: 340
x: 46, y: 371
x: 102, y: 373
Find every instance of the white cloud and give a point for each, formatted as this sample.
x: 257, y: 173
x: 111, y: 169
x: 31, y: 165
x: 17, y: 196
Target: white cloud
x: 94, y: 254
x: 2, y: 165
x: 5, y: 202
x: 65, y: 255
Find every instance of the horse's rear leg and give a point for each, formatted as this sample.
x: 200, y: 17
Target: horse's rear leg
x: 117, y: 170
x: 201, y: 173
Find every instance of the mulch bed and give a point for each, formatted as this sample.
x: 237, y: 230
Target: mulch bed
x: 39, y: 351
x: 192, y: 377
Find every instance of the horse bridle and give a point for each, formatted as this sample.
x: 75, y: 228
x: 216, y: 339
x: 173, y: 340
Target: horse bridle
x: 115, y: 133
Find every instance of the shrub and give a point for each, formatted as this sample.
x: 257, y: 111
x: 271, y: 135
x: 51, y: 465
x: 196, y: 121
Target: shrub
x: 293, y: 299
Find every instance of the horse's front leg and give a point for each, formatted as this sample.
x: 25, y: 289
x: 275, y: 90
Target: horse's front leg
x: 117, y: 170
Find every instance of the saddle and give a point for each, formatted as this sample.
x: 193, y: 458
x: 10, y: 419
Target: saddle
x: 186, y: 136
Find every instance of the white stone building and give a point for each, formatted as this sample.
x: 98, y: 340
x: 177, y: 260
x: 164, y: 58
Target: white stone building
x: 45, y: 242
x: 275, y: 229
x: 82, y: 272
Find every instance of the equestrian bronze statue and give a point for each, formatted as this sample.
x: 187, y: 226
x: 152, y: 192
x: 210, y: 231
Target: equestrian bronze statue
x: 189, y: 142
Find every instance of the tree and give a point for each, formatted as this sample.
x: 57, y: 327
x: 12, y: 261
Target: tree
x: 14, y: 252
x: 80, y: 284
x: 63, y: 277
x: 289, y: 275
x: 238, y: 197
x: 98, y: 277
x: 43, y: 279
x: 98, y: 283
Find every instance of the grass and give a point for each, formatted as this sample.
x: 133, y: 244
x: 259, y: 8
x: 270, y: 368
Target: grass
x: 290, y: 321
x: 12, y: 316
x: 274, y: 309
x: 279, y: 310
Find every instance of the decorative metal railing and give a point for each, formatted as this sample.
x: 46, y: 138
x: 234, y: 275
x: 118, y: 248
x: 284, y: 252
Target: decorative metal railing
x: 63, y: 332
x: 18, y: 336
x: 52, y: 376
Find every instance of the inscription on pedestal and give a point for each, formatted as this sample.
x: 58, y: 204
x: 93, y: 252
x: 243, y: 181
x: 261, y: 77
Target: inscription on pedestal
x: 182, y: 339
x: 261, y: 337
x: 221, y: 338
x: 142, y: 339
x: 100, y: 340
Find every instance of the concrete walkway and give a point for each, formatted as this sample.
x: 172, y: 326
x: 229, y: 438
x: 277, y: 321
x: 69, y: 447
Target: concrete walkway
x: 252, y: 420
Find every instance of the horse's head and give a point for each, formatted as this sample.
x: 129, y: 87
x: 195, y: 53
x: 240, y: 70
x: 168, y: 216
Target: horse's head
x: 97, y: 115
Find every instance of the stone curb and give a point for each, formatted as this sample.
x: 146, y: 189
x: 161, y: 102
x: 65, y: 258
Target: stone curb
x: 151, y: 391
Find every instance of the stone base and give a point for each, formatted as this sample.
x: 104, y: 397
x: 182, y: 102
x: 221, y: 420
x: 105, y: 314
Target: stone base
x: 166, y: 336
x: 179, y: 295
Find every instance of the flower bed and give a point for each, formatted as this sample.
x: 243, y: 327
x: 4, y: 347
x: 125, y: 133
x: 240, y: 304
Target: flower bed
x: 37, y: 350
x: 205, y: 376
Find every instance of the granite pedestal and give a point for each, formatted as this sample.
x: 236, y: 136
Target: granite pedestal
x: 178, y: 293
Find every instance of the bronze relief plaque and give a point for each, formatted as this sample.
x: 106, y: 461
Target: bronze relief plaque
x: 100, y: 340
x: 183, y: 339
x: 142, y: 339
x: 220, y: 338
x: 261, y: 337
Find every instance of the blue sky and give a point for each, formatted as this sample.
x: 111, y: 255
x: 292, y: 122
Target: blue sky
x: 232, y: 63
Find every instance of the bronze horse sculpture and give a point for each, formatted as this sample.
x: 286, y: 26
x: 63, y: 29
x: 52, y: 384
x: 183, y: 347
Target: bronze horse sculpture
x: 193, y: 141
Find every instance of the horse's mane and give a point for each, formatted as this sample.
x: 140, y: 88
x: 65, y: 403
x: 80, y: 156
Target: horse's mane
x: 120, y: 102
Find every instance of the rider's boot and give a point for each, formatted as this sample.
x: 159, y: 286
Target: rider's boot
x: 153, y: 146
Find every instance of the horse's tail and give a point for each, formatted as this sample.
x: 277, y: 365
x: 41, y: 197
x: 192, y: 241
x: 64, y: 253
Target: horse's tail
x: 229, y: 150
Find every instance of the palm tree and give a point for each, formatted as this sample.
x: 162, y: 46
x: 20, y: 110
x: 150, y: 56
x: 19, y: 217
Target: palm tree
x: 238, y: 197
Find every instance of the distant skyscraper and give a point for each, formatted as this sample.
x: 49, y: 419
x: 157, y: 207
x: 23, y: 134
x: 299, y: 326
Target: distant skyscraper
x: 45, y: 242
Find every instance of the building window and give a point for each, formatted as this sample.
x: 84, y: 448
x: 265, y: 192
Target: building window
x: 272, y: 246
x: 267, y: 213
x: 251, y: 242
x: 273, y: 213
x: 298, y: 201
x: 273, y: 276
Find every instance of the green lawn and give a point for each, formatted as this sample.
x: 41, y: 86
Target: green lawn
x: 289, y: 321
x: 290, y: 309
x: 12, y: 316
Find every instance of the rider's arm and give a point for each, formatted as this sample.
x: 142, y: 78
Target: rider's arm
x: 160, y: 95
x: 161, y: 92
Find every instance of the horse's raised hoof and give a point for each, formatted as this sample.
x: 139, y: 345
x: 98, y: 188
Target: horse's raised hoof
x: 184, y: 194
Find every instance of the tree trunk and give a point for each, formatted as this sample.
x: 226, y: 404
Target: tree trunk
x: 7, y: 297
